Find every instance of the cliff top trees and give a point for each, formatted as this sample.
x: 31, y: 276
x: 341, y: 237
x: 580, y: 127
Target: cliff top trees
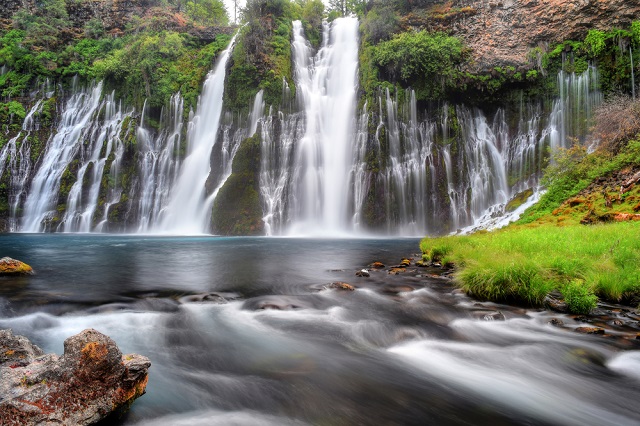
x: 207, y: 12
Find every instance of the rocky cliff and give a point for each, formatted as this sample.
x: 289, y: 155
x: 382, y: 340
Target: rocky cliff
x: 504, y: 32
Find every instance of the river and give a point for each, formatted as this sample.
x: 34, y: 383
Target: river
x: 245, y: 331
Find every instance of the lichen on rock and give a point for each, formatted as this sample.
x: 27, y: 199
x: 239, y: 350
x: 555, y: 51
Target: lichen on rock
x: 91, y: 380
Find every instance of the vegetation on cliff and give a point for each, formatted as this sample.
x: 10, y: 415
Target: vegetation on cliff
x: 580, y: 239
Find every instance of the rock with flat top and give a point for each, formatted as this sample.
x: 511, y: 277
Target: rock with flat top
x: 88, y: 382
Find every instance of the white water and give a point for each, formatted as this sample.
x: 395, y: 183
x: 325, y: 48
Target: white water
x: 326, y: 90
x: 62, y: 147
x: 102, y: 138
x: 189, y: 210
x: 158, y: 163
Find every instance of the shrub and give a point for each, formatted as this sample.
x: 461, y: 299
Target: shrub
x: 579, y: 297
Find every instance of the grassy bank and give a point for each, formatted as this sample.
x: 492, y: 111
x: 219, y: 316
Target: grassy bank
x: 523, y: 264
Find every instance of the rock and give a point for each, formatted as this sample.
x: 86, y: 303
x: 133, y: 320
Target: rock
x: 405, y: 262
x: 339, y: 285
x: 556, y: 322
x: 489, y: 315
x: 590, y: 330
x: 395, y: 289
x: 363, y: 273
x: 203, y: 298
x: 9, y: 266
x: 638, y: 336
x: 555, y: 304
x: 88, y: 382
x: 617, y: 322
x: 376, y: 265
x: 396, y: 271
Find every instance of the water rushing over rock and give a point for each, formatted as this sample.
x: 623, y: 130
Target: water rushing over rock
x: 189, y: 208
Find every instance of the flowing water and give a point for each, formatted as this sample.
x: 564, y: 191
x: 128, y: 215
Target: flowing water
x: 245, y: 331
x: 189, y: 208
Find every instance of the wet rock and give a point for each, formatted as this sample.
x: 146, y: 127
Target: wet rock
x: 423, y: 263
x: 396, y: 271
x: 277, y: 303
x: 363, y: 273
x: 487, y: 315
x: 405, y: 262
x: 590, y: 330
x: 395, y: 289
x: 339, y: 285
x: 376, y: 265
x: 617, y: 322
x: 555, y: 304
x: 638, y: 336
x: 556, y: 322
x: 203, y: 298
x: 83, y: 386
x: 9, y: 266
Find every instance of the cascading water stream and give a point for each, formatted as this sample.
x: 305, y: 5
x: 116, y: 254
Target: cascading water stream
x: 189, y: 210
x: 62, y: 147
x: 101, y: 140
x: 326, y: 88
x: 159, y: 163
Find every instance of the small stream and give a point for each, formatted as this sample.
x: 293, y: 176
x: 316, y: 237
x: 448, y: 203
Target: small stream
x: 246, y: 331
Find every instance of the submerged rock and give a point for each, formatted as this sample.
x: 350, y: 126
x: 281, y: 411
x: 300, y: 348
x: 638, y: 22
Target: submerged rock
x: 590, y: 330
x: 339, y: 285
x: 377, y: 265
x: 9, y: 266
x: 88, y: 382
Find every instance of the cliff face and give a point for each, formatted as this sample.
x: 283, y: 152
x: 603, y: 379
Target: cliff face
x: 503, y: 32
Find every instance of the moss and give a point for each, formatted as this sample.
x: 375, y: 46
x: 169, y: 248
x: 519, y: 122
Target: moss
x: 237, y: 209
x: 518, y: 200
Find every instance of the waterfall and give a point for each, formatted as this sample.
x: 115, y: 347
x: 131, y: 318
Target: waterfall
x: 16, y: 157
x: 326, y: 91
x: 189, y: 209
x: 100, y: 141
x: 63, y: 145
x: 158, y: 162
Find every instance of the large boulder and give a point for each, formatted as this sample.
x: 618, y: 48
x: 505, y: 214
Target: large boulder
x: 88, y: 382
x: 9, y: 266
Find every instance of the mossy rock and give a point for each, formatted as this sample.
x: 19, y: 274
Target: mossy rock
x: 237, y: 209
x: 518, y: 200
x: 9, y: 266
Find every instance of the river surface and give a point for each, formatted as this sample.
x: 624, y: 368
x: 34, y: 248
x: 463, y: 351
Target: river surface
x: 245, y: 331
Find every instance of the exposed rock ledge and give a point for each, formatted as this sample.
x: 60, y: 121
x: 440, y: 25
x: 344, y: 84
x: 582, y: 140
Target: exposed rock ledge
x: 88, y: 382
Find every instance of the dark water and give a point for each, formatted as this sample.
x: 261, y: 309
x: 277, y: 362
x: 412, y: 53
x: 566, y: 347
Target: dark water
x: 273, y: 346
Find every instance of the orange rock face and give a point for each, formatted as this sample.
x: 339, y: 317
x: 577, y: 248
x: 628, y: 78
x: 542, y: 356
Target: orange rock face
x: 504, y: 32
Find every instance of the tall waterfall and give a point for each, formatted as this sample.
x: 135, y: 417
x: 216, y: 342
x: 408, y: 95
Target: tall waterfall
x: 158, y: 163
x: 62, y: 147
x: 189, y: 208
x: 327, y: 88
x: 101, y: 140
x: 16, y: 157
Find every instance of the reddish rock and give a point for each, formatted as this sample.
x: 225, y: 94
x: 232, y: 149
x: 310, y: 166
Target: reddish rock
x: 339, y: 285
x: 91, y: 380
x: 590, y: 330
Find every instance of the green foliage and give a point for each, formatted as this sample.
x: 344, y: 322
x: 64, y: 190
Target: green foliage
x: 572, y: 170
x: 595, y: 42
x: 523, y: 264
x: 380, y: 23
x: 93, y: 28
x: 207, y: 12
x: 425, y: 61
x: 12, y: 114
x: 579, y: 297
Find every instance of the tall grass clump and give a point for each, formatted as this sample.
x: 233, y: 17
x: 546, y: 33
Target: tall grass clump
x: 523, y: 264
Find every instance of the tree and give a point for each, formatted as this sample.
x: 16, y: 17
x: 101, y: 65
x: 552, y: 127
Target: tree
x: 207, y: 12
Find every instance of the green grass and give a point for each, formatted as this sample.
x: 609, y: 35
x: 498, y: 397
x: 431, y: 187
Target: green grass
x: 522, y: 264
